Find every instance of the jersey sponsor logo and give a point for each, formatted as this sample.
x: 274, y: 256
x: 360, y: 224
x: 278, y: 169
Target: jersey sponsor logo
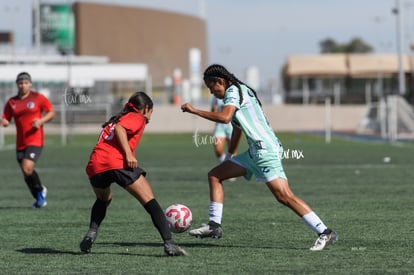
x: 231, y: 96
x: 30, y: 105
x: 250, y: 93
x: 265, y: 170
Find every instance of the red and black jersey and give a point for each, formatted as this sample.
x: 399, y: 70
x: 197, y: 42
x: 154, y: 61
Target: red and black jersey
x: 24, y: 111
x: 107, y: 153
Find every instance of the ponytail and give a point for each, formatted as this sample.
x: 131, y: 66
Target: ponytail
x: 216, y: 70
x: 136, y: 103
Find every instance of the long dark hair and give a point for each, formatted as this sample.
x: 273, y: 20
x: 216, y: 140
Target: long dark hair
x: 216, y: 70
x: 136, y: 102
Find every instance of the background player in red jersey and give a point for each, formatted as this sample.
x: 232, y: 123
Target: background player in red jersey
x: 30, y: 110
x: 113, y: 160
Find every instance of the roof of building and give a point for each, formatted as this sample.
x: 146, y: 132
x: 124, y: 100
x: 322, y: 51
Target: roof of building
x: 326, y: 64
x: 355, y: 65
x: 373, y: 64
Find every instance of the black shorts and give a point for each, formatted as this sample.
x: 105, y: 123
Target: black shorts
x: 30, y: 152
x: 123, y: 177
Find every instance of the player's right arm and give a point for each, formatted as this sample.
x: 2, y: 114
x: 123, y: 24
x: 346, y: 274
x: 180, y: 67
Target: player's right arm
x: 224, y: 116
x: 6, y: 116
x: 4, y: 122
x: 235, y: 140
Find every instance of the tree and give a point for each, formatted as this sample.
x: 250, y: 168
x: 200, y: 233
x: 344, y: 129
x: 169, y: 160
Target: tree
x: 328, y: 46
x: 356, y: 45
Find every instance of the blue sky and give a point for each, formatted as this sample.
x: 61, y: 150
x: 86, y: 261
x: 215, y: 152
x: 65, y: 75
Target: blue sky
x: 261, y: 33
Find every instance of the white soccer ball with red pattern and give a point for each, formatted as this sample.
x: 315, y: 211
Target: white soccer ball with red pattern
x: 179, y: 217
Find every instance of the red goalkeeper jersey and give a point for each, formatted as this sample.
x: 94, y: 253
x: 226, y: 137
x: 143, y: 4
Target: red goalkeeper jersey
x: 24, y: 111
x: 107, y: 153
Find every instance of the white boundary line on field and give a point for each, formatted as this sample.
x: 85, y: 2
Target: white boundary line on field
x: 186, y: 169
x: 341, y: 166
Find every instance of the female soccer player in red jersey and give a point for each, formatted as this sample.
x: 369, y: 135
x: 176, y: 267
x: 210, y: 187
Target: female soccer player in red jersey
x: 113, y: 160
x: 27, y: 109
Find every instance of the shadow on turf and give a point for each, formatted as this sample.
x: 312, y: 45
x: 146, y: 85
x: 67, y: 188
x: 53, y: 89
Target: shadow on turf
x: 44, y: 250
x: 184, y: 245
x: 41, y: 250
x: 14, y: 207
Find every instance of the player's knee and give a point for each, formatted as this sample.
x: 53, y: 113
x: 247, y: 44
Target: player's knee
x: 27, y: 168
x: 214, y: 177
x: 104, y: 203
x: 284, y: 198
x: 211, y: 175
x: 108, y: 202
x: 27, y: 171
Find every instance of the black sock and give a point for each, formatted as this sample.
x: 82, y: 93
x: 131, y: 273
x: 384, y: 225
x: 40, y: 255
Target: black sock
x: 158, y: 219
x: 98, y: 213
x: 34, y: 184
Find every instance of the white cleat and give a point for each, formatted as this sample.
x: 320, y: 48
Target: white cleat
x: 328, y: 237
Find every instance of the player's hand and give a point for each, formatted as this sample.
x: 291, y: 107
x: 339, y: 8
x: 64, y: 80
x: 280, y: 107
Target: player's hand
x: 4, y: 122
x: 186, y: 107
x: 132, y: 162
x: 37, y: 123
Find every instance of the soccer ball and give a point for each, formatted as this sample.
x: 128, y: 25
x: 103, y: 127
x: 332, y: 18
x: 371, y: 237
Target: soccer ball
x: 179, y: 217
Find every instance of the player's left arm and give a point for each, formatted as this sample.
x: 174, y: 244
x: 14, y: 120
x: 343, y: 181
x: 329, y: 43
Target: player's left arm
x: 38, y: 122
x: 122, y: 137
x: 49, y: 113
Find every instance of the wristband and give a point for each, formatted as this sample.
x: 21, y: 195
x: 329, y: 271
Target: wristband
x: 228, y: 156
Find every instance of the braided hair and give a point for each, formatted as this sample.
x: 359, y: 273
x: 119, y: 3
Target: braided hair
x: 136, y: 102
x: 216, y: 70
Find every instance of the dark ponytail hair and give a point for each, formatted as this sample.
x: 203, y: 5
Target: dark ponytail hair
x: 216, y: 70
x: 136, y: 103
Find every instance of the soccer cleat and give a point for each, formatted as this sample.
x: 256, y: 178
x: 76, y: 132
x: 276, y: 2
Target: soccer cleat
x: 327, y: 237
x: 88, y: 240
x: 41, y: 198
x: 172, y: 249
x: 212, y: 230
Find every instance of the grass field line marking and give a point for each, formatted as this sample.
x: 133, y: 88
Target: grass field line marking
x: 342, y: 166
x: 8, y: 147
x: 60, y: 169
x: 207, y: 168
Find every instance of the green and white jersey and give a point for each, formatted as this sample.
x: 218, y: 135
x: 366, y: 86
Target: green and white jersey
x: 249, y: 117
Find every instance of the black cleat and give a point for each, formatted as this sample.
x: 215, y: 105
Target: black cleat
x: 88, y: 240
x: 172, y: 249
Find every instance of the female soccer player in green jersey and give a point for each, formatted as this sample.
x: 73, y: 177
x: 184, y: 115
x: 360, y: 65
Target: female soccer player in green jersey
x: 262, y: 159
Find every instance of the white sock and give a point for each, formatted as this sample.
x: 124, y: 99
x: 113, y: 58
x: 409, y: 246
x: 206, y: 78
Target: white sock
x: 221, y: 158
x: 314, y: 222
x: 215, y: 212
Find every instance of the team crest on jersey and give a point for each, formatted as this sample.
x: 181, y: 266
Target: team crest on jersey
x: 30, y: 105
